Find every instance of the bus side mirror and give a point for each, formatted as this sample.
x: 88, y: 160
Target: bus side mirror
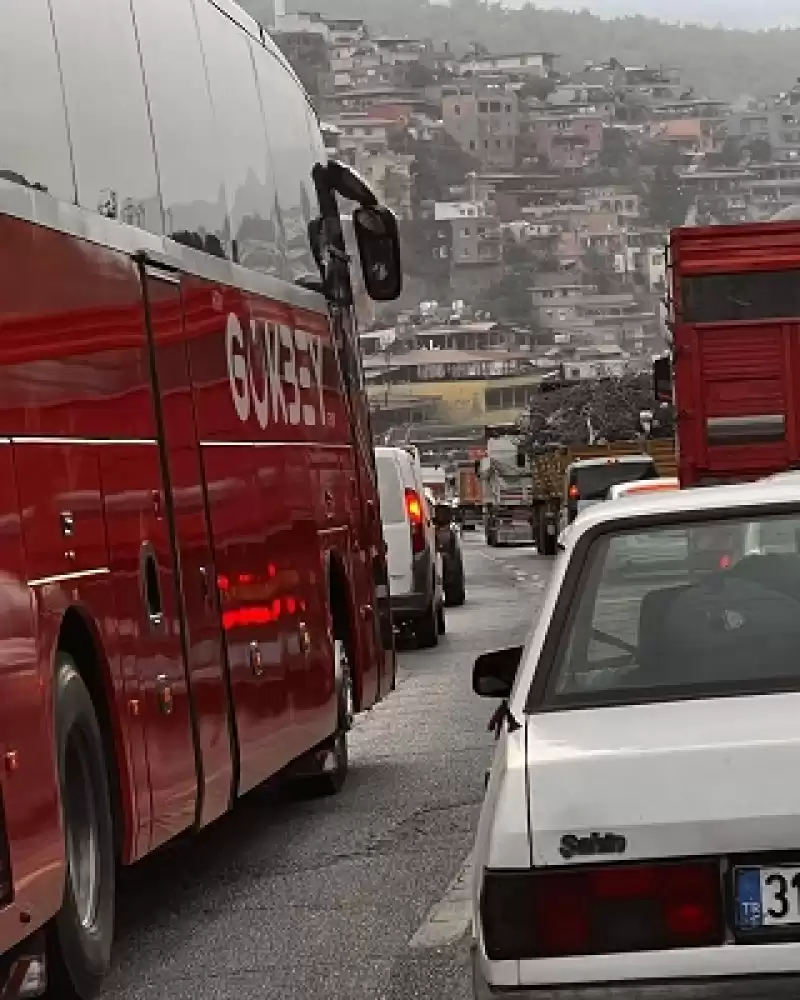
x: 378, y: 241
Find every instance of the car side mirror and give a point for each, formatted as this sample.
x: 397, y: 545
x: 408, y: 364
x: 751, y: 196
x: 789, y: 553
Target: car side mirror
x: 494, y: 673
x: 378, y: 241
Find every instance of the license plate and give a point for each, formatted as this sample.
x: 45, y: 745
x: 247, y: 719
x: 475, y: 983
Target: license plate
x: 767, y: 897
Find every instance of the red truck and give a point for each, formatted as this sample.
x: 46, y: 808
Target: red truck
x: 192, y: 572
x: 734, y: 314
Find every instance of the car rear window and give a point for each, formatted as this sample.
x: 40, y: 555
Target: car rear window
x: 391, y: 491
x: 684, y: 611
x: 594, y: 481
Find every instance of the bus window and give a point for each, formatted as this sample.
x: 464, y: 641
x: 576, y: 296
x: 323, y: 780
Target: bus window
x: 242, y: 139
x: 109, y: 124
x: 34, y: 149
x: 293, y: 158
x: 189, y: 161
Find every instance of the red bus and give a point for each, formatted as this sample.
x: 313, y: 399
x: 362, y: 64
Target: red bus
x: 192, y: 570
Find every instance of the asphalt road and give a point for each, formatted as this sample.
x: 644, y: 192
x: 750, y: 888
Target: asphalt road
x: 347, y: 897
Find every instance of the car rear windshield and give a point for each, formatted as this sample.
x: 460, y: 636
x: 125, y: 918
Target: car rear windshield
x: 391, y: 490
x: 683, y: 612
x: 594, y: 481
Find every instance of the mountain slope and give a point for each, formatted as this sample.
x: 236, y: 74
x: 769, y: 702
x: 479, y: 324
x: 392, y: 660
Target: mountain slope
x: 717, y: 62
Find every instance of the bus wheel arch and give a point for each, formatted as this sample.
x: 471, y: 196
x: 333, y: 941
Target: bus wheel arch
x: 80, y: 937
x: 78, y: 639
x: 340, y: 606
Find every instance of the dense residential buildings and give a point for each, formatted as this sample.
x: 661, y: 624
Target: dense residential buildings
x: 534, y: 205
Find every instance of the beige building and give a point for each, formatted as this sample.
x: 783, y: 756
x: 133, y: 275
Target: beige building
x: 484, y: 120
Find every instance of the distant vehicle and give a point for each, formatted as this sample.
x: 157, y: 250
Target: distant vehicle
x: 435, y: 479
x: 588, y: 480
x: 553, y: 507
x: 448, y: 544
x: 470, y: 495
x: 507, y: 488
x: 415, y: 567
x: 636, y: 829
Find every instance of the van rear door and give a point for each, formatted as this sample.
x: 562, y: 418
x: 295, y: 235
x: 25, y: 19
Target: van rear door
x: 396, y: 529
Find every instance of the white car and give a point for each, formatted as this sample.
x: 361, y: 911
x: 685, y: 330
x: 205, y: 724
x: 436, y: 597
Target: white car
x: 640, y: 836
x: 415, y: 567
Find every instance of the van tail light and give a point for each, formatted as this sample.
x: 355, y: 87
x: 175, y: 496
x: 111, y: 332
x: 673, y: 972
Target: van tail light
x: 574, y: 492
x: 597, y: 911
x: 416, y: 518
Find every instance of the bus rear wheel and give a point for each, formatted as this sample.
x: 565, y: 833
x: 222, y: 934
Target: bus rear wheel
x: 81, y: 935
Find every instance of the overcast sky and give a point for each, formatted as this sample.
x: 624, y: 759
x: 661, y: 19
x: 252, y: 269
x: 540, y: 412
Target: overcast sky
x: 731, y: 13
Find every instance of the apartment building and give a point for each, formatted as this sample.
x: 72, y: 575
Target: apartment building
x: 483, y: 118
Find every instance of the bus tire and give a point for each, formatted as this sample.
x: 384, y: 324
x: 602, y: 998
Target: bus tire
x: 81, y: 935
x: 333, y: 763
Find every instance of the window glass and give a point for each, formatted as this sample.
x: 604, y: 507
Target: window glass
x: 710, y: 298
x: 242, y: 140
x: 685, y: 611
x: 34, y: 148
x: 594, y: 481
x: 107, y: 111
x: 293, y: 158
x: 391, y: 491
x: 183, y: 125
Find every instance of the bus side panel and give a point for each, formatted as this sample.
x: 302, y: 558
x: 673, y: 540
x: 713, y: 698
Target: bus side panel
x: 143, y: 583
x: 30, y: 808
x: 75, y: 394
x: 370, y: 655
x: 197, y: 585
x: 248, y: 512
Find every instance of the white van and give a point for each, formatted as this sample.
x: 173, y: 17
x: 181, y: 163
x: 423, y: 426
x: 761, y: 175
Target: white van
x: 415, y: 568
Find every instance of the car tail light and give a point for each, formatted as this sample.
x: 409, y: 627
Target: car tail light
x: 574, y: 492
x: 594, y: 911
x: 416, y: 517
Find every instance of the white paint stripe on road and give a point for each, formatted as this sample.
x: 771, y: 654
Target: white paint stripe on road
x: 449, y: 920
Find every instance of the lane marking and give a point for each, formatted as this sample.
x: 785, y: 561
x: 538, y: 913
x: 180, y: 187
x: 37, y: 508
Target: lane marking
x: 449, y: 920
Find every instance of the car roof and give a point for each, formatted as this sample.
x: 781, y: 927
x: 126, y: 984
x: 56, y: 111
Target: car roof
x: 667, y: 502
x: 636, y: 486
x: 588, y: 463
x: 399, y: 454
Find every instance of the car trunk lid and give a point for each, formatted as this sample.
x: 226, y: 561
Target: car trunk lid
x: 706, y: 777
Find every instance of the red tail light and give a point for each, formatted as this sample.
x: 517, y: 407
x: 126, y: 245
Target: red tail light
x: 416, y: 517
x: 574, y: 492
x: 595, y: 911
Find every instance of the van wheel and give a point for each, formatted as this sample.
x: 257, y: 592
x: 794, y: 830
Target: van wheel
x: 81, y: 935
x: 426, y: 629
x: 441, y: 620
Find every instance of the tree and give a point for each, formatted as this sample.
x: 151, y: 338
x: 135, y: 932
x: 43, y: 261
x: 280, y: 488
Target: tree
x: 538, y: 88
x: 760, y: 150
x: 607, y: 409
x: 418, y: 75
x: 509, y: 299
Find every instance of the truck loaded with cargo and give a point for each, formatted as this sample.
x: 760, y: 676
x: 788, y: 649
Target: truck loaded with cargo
x: 568, y: 478
x: 507, y: 487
